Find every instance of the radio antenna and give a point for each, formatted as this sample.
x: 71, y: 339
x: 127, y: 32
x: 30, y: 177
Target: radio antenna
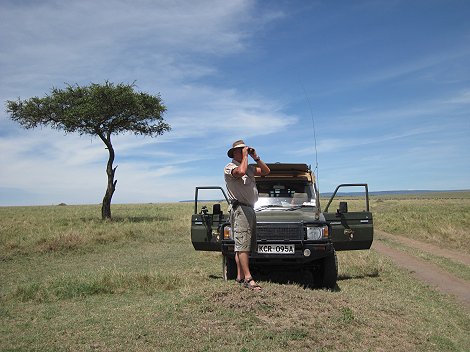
x: 314, y: 134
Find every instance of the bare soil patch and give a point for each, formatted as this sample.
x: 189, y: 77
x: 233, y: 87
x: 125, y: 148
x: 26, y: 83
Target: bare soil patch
x: 443, y: 281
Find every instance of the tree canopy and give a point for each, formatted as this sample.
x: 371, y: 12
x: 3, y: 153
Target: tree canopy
x: 98, y: 110
x: 94, y: 109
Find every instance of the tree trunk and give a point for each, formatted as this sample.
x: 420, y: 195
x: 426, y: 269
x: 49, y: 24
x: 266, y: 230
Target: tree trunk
x: 106, y: 205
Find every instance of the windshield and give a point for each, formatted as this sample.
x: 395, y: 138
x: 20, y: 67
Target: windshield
x: 286, y: 194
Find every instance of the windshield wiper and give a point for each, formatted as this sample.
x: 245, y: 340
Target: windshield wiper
x: 269, y: 206
x: 300, y: 206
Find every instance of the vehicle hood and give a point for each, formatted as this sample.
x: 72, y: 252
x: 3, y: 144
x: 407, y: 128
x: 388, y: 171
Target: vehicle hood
x: 283, y: 215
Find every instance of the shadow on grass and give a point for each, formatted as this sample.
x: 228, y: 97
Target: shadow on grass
x: 303, y: 279
x: 138, y: 219
x: 129, y: 219
x: 345, y: 277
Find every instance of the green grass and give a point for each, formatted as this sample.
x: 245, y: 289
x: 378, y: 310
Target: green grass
x: 442, y: 219
x: 71, y: 282
x: 443, y: 222
x: 27, y: 230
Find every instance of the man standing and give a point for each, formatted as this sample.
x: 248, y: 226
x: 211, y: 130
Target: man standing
x: 241, y: 187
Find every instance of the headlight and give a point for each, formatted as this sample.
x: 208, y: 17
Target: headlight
x: 317, y: 232
x: 227, y: 233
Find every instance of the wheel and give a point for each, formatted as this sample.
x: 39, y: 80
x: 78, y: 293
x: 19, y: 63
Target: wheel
x: 317, y: 276
x: 330, y: 271
x: 229, y: 268
x: 326, y: 273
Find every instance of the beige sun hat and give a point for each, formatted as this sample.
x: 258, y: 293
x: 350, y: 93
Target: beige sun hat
x: 236, y: 144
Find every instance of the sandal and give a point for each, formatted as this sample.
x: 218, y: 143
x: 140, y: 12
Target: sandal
x: 254, y: 287
x: 239, y: 281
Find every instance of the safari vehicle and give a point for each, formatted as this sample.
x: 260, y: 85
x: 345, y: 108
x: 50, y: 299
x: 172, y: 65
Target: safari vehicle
x: 292, y: 232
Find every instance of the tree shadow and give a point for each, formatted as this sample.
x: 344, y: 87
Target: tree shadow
x: 138, y: 219
x: 129, y: 219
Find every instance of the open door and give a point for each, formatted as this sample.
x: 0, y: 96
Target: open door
x: 354, y: 229
x: 207, y: 220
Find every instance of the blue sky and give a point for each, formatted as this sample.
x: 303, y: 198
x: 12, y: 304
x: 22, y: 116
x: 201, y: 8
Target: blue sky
x: 386, y: 84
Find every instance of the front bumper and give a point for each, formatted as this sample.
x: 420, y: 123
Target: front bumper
x: 306, y: 252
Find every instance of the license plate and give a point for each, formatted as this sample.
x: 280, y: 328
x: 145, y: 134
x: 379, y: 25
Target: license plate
x: 276, y: 248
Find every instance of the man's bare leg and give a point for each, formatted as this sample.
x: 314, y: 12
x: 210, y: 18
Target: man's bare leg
x: 240, y: 273
x: 243, y: 258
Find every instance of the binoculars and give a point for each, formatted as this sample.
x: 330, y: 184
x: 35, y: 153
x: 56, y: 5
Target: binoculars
x: 251, y: 150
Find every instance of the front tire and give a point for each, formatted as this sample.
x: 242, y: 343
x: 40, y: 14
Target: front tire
x: 325, y: 274
x: 229, y: 268
x: 330, y: 271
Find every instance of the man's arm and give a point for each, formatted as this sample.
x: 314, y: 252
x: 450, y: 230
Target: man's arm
x: 262, y: 169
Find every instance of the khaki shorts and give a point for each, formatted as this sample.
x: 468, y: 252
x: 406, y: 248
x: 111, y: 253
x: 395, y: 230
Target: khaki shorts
x: 243, y: 220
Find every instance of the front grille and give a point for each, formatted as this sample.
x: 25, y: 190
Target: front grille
x: 280, y: 231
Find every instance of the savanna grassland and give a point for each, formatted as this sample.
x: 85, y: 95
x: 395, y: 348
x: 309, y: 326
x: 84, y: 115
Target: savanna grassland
x: 71, y: 282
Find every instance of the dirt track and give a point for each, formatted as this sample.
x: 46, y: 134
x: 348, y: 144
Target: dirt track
x: 442, y: 280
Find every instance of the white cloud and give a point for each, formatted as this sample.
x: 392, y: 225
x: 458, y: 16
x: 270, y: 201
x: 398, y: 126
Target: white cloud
x: 331, y: 145
x: 89, y: 41
x: 461, y: 98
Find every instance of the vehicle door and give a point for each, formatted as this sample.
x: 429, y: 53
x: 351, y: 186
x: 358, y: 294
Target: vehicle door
x: 350, y: 230
x: 208, y: 219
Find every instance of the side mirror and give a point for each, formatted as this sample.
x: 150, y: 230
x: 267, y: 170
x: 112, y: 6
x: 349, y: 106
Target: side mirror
x: 216, y: 209
x: 343, y: 208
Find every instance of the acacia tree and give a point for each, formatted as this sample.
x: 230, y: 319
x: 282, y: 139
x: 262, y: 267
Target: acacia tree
x: 99, y: 110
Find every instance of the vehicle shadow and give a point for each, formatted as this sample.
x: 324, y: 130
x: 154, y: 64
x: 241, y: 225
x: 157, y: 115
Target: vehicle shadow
x: 304, y: 279
x: 281, y: 277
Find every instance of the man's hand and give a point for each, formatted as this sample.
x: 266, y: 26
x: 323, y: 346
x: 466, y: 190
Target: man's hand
x: 252, y: 153
x: 245, y: 152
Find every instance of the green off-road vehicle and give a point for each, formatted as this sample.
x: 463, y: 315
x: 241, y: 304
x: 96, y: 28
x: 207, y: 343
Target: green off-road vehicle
x: 292, y: 232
